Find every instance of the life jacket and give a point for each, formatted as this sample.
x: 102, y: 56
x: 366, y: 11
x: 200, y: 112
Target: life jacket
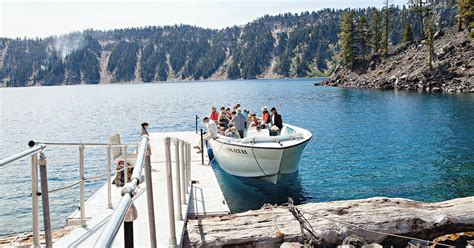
x: 214, y: 116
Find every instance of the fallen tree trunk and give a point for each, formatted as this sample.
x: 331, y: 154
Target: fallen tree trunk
x: 332, y: 221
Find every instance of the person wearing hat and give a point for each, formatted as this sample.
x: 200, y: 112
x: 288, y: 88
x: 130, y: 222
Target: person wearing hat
x: 265, y: 115
x: 232, y: 132
x: 276, y: 121
x: 214, y: 115
x: 239, y: 122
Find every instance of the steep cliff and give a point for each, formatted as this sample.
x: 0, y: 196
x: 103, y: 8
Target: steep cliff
x: 407, y: 67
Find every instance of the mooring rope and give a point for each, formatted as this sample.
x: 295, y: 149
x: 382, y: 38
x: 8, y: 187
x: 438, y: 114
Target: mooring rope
x: 255, y: 157
x: 304, y: 223
x: 222, y: 145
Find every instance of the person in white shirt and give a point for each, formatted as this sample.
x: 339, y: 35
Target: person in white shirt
x: 211, y: 129
x: 211, y: 132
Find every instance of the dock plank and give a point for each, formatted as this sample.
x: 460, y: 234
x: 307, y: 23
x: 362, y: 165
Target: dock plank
x: 204, y: 198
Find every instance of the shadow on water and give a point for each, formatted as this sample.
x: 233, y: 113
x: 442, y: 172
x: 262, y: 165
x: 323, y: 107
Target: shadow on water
x: 244, y: 193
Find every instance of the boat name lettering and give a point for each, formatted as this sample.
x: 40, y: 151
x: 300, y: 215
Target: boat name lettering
x: 236, y: 150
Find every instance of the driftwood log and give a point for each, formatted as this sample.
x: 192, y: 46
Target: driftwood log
x: 270, y: 227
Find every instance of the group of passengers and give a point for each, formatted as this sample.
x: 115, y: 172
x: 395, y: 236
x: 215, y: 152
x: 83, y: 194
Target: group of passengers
x: 234, y: 122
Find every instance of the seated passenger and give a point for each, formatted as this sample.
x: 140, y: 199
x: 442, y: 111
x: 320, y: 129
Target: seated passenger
x: 265, y: 115
x: 223, y: 119
x: 232, y: 133
x: 254, y: 120
x: 274, y: 131
x: 276, y: 119
x: 221, y: 129
x: 228, y: 113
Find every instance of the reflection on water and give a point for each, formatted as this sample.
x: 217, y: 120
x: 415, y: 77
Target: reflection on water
x: 244, y: 193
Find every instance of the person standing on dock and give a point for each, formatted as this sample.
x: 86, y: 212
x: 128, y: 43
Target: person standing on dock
x: 144, y: 128
x: 211, y: 132
x: 239, y: 122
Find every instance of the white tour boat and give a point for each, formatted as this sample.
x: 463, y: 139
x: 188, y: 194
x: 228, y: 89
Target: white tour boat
x: 260, y: 155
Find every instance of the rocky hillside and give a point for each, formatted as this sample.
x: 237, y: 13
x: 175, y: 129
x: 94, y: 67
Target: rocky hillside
x: 285, y: 45
x: 407, y: 68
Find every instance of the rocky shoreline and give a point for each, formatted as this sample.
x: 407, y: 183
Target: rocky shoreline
x: 407, y: 68
x: 358, y: 223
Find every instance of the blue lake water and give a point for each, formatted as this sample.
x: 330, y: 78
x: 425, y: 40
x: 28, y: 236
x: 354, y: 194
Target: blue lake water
x: 365, y: 142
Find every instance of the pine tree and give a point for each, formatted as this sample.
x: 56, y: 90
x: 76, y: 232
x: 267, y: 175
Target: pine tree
x: 407, y: 35
x: 363, y: 36
x: 462, y: 7
x: 385, y: 28
x: 375, y: 31
x: 430, y: 34
x: 466, y: 16
x: 422, y: 9
x: 347, y: 38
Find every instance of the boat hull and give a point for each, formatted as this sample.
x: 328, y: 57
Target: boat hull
x: 254, y: 161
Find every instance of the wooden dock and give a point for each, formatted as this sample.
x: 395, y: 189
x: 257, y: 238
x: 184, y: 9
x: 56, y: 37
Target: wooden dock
x: 204, y: 198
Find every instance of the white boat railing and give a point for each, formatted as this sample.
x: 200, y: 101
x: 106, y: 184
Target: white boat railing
x: 38, y: 160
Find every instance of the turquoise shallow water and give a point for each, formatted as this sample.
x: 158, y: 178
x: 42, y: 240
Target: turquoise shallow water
x: 366, y: 142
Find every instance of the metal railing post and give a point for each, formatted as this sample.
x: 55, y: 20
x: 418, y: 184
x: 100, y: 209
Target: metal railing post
x: 169, y: 184
x: 189, y: 167
x: 132, y: 215
x: 202, y: 147
x: 34, y: 200
x: 45, y: 199
x: 149, y: 198
x: 179, y: 215
x: 81, y: 191
x: 125, y: 164
x: 122, y: 211
x: 109, y: 178
x: 182, y: 173
x: 186, y: 166
x: 197, y: 118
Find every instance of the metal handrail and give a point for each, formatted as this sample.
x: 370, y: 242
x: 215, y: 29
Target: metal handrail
x: 110, y: 231
x: 79, y: 144
x: 36, y: 149
x: 32, y: 151
x: 88, y: 179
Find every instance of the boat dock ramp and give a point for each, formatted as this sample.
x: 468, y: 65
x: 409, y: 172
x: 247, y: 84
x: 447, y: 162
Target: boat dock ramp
x: 183, y: 186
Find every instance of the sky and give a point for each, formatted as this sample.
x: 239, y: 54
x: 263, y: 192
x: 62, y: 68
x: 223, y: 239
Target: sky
x: 42, y: 18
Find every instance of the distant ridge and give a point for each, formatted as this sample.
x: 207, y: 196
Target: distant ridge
x: 285, y: 45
